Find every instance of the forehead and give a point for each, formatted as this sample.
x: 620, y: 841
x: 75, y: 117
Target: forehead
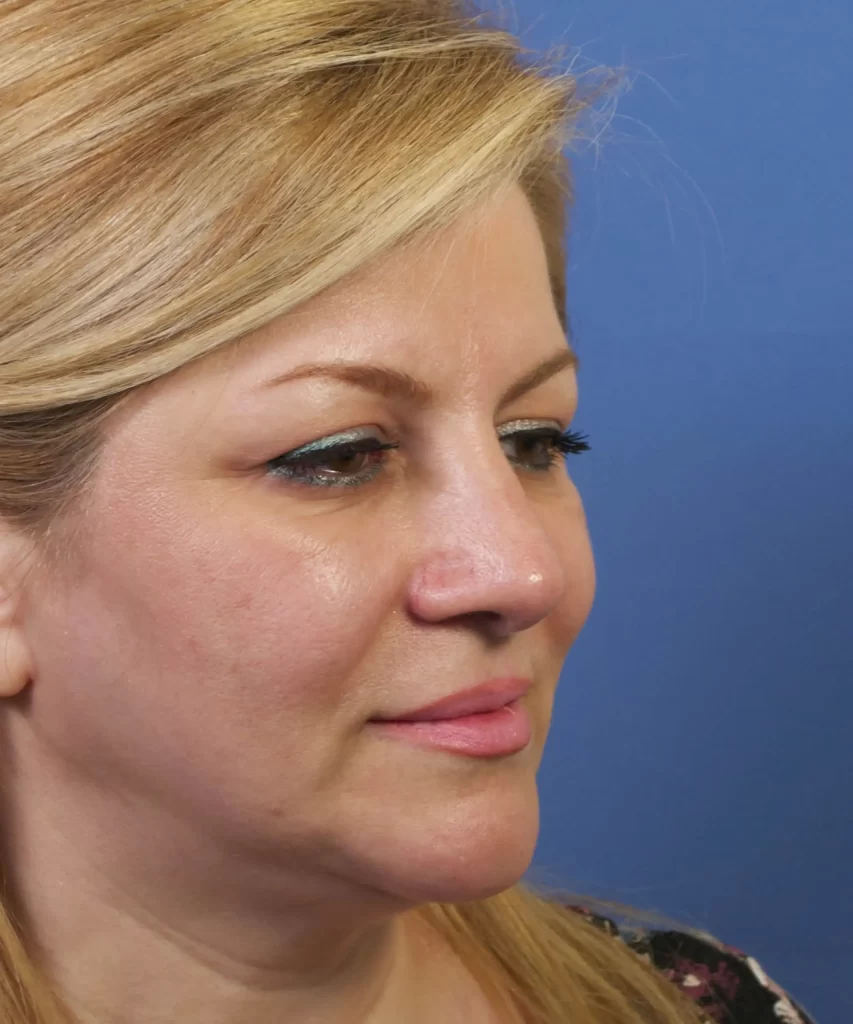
x: 457, y: 303
x: 480, y: 286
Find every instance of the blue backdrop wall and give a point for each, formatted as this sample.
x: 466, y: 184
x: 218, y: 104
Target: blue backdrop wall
x: 701, y: 760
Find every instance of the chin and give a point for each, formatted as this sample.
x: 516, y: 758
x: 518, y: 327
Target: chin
x: 456, y: 860
x: 462, y: 883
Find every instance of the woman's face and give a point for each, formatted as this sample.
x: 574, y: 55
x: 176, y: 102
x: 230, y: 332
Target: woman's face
x: 224, y: 632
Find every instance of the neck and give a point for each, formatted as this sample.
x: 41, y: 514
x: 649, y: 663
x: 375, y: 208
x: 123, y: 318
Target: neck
x: 116, y: 960
x: 129, y: 935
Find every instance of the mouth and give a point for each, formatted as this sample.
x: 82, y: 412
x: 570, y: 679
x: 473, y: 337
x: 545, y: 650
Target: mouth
x: 489, y: 721
x: 491, y: 696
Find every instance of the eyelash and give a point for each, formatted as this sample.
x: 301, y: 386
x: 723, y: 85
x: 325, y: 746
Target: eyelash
x: 559, y: 445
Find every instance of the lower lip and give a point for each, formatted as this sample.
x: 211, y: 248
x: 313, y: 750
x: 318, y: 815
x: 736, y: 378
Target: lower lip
x: 492, y: 734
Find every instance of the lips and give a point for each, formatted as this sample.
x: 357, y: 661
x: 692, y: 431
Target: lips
x: 488, y: 696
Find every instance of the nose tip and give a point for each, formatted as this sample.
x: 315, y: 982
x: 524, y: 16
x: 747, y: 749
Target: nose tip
x: 512, y: 595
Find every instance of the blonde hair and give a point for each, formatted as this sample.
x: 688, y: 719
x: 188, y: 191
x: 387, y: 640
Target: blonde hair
x: 176, y: 173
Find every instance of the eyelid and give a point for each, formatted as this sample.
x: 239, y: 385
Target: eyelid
x: 353, y: 436
x: 517, y: 426
x: 359, y: 433
x: 332, y: 441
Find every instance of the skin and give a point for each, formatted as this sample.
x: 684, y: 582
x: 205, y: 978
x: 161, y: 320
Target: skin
x: 201, y: 822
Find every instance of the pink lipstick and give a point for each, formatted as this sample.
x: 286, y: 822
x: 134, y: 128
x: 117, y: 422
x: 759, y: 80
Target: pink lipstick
x: 486, y: 721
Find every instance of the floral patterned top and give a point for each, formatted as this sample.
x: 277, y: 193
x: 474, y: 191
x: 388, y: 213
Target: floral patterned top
x: 728, y: 985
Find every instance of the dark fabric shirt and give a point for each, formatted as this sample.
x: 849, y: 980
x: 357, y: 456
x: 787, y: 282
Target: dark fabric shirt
x: 728, y: 985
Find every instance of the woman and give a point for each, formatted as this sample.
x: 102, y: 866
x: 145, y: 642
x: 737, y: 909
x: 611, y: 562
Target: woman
x: 285, y: 397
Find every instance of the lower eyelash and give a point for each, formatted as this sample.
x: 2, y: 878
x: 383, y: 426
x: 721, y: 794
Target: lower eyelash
x: 289, y: 467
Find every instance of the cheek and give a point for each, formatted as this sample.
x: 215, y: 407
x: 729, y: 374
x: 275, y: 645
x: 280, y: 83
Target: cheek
x: 218, y: 653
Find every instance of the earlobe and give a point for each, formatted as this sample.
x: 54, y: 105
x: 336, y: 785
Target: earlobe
x: 14, y: 662
x: 15, y: 666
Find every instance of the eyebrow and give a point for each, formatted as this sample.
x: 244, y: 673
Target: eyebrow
x: 392, y: 383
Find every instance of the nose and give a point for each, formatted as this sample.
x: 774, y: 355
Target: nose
x: 487, y: 552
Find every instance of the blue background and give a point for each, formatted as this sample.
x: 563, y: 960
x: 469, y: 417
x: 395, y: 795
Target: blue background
x: 701, y: 761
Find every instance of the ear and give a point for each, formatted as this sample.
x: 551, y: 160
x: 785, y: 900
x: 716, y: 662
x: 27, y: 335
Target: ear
x: 15, y: 663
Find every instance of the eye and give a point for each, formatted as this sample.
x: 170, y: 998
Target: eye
x: 353, y: 463
x: 553, y: 445
x: 330, y: 464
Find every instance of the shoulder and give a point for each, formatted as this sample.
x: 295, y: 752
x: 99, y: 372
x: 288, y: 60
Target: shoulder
x: 727, y: 984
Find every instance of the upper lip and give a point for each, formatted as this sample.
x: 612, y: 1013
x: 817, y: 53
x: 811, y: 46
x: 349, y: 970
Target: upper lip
x: 488, y: 696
